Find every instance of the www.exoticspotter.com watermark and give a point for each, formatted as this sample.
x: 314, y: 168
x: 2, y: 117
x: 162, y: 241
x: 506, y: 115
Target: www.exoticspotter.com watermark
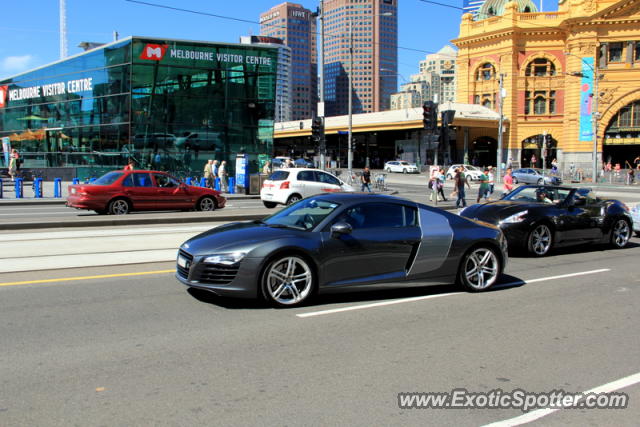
x: 516, y: 399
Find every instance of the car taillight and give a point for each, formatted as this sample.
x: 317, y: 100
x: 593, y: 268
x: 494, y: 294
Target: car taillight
x: 284, y: 185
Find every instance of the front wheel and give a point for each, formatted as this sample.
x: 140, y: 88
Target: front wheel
x: 620, y: 234
x: 206, y: 204
x: 287, y: 281
x: 540, y: 240
x: 269, y: 205
x: 388, y: 170
x: 541, y: 181
x: 479, y: 269
x: 404, y: 171
x: 119, y: 207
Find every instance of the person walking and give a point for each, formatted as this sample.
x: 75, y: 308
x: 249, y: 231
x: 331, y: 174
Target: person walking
x: 222, y: 174
x: 491, y: 177
x: 507, y: 183
x: 208, y: 173
x: 483, y: 190
x: 459, y: 182
x: 365, y: 180
x: 14, y: 164
x: 441, y: 180
x: 267, y: 168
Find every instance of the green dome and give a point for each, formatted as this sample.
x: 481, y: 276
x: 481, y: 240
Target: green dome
x: 496, y: 7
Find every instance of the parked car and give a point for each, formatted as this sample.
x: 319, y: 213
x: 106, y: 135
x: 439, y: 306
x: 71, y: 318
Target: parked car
x: 280, y: 162
x: 120, y: 192
x: 400, y: 166
x: 303, y: 163
x: 344, y: 240
x: 534, y: 176
x: 471, y: 173
x: 540, y: 218
x: 286, y: 186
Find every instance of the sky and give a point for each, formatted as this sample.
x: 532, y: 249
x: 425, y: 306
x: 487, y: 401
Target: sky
x: 29, y: 30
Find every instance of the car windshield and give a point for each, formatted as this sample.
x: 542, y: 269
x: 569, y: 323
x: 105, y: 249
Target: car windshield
x: 304, y: 215
x: 538, y: 194
x: 279, y: 176
x: 404, y: 163
x: 471, y: 168
x: 108, y: 179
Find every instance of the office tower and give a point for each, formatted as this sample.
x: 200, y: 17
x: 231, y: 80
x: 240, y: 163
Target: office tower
x: 296, y: 27
x: 283, y: 78
x: 374, y: 26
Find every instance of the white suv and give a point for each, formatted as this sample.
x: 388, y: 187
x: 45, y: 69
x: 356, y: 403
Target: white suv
x: 471, y: 173
x: 286, y: 186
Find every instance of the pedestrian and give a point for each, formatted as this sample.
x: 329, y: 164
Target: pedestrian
x: 630, y: 176
x: 534, y: 161
x: 508, y: 183
x: 365, y: 180
x: 491, y: 177
x: 14, y: 165
x: 483, y: 190
x: 554, y: 166
x: 459, y: 182
x: 440, y: 179
x: 208, y: 173
x: 222, y: 175
x: 130, y: 165
x: 267, y: 167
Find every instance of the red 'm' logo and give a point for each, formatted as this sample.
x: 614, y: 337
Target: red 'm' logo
x: 4, y: 92
x: 154, y: 52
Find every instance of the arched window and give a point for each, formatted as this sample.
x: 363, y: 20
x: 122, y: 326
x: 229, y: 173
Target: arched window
x: 540, y: 67
x: 486, y: 72
x: 540, y: 102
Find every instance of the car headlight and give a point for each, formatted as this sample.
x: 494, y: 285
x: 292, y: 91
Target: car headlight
x: 515, y: 218
x: 225, y: 259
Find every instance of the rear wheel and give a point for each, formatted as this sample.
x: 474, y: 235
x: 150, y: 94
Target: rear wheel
x: 293, y: 198
x: 479, y: 269
x: 540, y: 181
x: 540, y: 240
x: 388, y: 170
x: 206, y: 204
x: 404, y: 171
x: 287, y: 281
x: 620, y: 234
x: 119, y: 207
x: 269, y: 205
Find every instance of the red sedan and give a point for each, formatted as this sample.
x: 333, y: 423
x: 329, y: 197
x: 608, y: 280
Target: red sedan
x: 121, y: 192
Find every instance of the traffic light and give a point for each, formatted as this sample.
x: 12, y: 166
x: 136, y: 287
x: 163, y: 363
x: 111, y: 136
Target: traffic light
x: 540, y: 141
x: 548, y: 142
x: 430, y: 115
x: 317, y: 129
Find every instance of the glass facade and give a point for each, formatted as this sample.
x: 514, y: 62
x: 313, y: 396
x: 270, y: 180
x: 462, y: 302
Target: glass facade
x: 169, y: 105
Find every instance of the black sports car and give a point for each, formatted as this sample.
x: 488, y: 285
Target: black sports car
x: 340, y: 240
x: 539, y: 218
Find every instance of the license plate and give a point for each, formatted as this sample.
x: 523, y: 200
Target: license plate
x: 183, y: 262
x: 267, y: 196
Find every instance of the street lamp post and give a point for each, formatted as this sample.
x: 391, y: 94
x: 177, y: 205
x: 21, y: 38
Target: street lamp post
x: 594, y: 112
x: 503, y: 95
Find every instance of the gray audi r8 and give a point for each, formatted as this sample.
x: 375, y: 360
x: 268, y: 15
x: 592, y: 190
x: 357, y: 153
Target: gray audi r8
x: 339, y: 241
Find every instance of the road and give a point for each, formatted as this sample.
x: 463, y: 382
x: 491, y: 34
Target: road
x: 126, y: 344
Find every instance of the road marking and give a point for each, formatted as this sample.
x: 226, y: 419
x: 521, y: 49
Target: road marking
x: 412, y: 299
x: 539, y: 413
x: 101, y: 276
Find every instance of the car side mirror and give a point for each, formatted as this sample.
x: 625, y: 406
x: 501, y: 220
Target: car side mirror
x: 340, y: 228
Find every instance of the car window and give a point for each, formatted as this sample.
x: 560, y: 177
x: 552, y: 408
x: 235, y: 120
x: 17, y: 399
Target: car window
x: 108, y: 179
x: 138, y: 180
x: 327, y: 179
x: 165, y: 181
x: 306, y: 176
x: 279, y: 176
x: 378, y: 215
x: 304, y: 215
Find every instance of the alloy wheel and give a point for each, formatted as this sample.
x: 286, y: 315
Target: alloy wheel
x: 480, y: 269
x: 207, y: 204
x: 119, y: 207
x: 293, y: 198
x: 540, y: 240
x: 621, y: 233
x: 288, y: 281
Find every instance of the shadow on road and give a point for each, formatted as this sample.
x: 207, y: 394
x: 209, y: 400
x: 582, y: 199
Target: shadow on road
x: 573, y: 250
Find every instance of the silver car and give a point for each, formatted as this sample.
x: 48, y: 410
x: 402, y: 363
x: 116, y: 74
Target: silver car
x: 534, y: 176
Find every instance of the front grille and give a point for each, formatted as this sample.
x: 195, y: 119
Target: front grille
x: 182, y: 271
x: 217, y: 274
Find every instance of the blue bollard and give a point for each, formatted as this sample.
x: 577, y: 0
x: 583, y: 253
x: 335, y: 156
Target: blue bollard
x: 19, y: 189
x: 203, y: 182
x: 92, y: 179
x: 188, y: 180
x: 57, y: 187
x: 37, y: 188
x: 1, y: 189
x: 216, y: 186
x: 232, y: 185
x: 75, y: 181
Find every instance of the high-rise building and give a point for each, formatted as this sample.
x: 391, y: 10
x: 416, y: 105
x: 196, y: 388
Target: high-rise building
x: 296, y: 27
x: 374, y: 26
x: 283, y: 78
x: 435, y: 82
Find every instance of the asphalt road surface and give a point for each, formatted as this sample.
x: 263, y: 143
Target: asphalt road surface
x: 129, y: 345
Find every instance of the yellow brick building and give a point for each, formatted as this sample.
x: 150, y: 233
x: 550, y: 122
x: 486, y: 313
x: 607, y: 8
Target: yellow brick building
x: 551, y: 63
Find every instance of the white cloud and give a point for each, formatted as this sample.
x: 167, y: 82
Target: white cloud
x: 15, y: 64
